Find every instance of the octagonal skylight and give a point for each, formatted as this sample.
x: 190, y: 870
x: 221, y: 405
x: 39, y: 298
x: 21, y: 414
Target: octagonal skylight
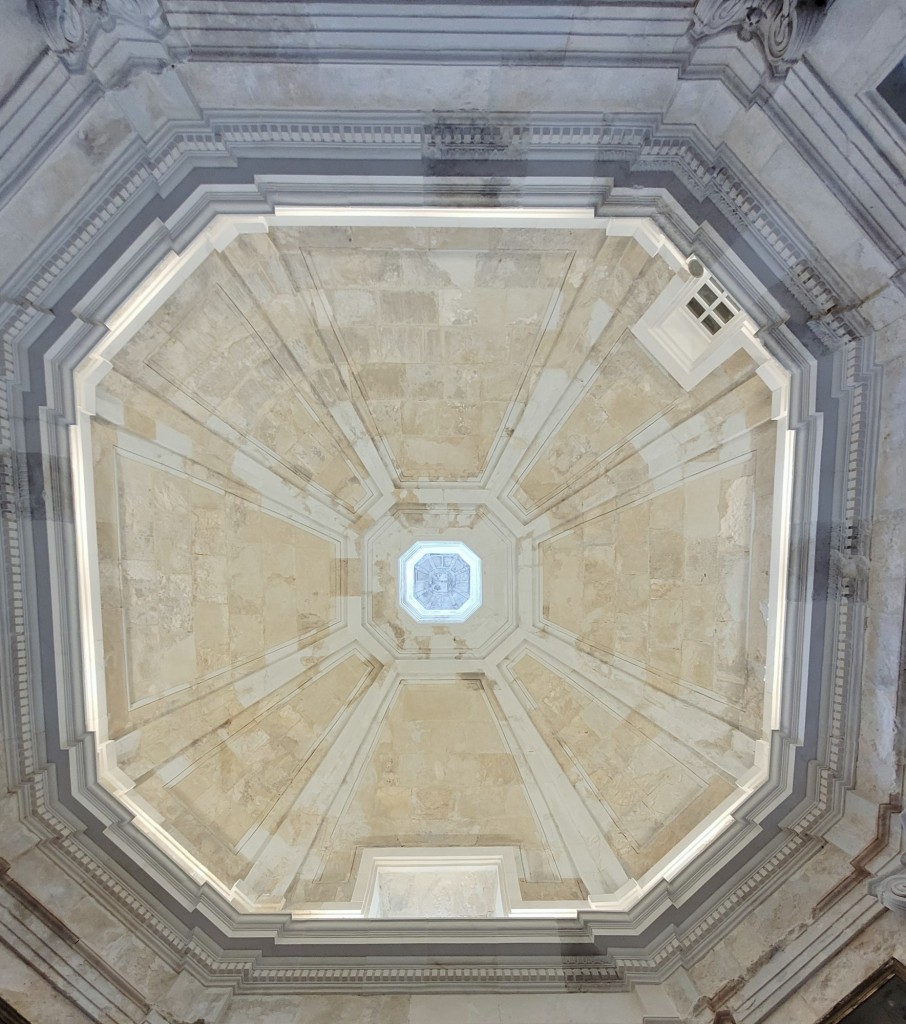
x: 440, y: 581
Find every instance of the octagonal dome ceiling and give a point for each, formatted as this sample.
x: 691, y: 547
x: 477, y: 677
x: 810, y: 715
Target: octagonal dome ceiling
x: 313, y: 401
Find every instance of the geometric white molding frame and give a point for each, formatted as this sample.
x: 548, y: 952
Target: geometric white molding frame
x: 136, y: 309
x: 437, y: 882
x: 688, y: 352
x: 856, y: 387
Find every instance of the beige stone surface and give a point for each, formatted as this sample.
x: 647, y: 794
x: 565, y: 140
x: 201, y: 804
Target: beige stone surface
x: 241, y: 769
x: 439, y: 774
x: 309, y: 403
x: 674, y: 581
x: 31, y: 995
x: 883, y: 939
x: 198, y: 580
x: 650, y: 794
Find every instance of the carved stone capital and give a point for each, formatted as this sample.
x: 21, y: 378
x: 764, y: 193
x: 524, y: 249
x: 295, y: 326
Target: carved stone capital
x: 891, y: 892
x: 784, y: 28
x: 70, y: 26
x: 63, y: 22
x: 146, y: 14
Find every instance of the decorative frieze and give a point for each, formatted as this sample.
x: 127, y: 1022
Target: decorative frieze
x: 687, y: 156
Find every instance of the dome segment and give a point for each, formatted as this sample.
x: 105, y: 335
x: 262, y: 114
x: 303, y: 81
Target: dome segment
x: 429, y: 540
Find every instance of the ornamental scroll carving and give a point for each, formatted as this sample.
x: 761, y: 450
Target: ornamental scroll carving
x: 890, y: 890
x: 65, y: 23
x: 891, y: 893
x: 70, y: 25
x: 784, y: 28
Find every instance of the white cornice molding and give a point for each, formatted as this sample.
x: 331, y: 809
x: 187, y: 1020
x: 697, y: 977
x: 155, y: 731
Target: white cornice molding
x: 41, y: 112
x: 54, y: 274
x: 646, y: 148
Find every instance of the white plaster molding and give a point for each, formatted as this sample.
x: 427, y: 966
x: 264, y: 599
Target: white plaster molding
x: 220, y: 232
x: 444, y: 865
x: 686, y: 350
x: 891, y: 892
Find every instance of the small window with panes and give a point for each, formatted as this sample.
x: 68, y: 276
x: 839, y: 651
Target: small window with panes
x: 711, y: 306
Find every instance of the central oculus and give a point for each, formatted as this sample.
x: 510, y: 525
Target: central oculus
x: 440, y: 581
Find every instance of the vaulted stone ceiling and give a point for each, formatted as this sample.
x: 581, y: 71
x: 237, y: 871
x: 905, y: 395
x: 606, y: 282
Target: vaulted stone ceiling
x: 138, y: 138
x: 309, y: 403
